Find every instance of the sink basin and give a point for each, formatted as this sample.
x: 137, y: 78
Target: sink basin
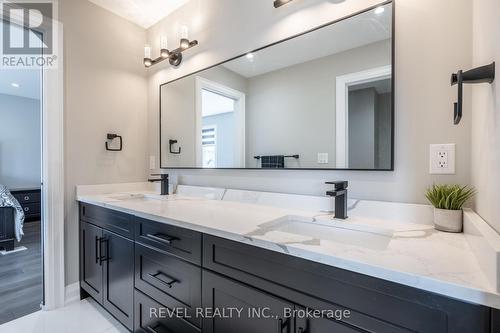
x: 327, y: 230
x: 125, y: 196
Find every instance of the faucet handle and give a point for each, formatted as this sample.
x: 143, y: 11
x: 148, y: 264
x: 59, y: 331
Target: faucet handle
x: 339, y: 184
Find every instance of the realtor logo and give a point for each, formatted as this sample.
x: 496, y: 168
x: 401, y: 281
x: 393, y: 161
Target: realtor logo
x: 28, y: 33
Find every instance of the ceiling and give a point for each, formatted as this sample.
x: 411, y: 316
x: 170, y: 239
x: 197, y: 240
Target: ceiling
x: 27, y: 80
x: 142, y: 12
x: 363, y: 29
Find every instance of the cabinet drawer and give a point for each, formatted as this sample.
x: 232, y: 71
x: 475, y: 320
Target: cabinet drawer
x: 120, y: 223
x: 374, y: 301
x: 31, y: 209
x: 151, y: 317
x: 171, y: 281
x: 180, y: 242
x: 28, y: 197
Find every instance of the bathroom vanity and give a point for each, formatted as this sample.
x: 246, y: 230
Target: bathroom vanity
x: 141, y: 255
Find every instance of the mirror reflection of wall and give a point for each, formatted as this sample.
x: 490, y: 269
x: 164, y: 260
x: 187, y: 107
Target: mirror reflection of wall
x: 329, y: 102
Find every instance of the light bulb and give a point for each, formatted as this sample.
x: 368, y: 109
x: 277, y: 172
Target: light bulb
x: 184, y: 32
x: 163, y: 42
x: 379, y: 10
x: 147, y: 52
x: 164, y: 53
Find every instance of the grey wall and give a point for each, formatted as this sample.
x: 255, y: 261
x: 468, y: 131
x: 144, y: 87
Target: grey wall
x: 383, y: 131
x: 362, y: 108
x: 485, y: 113
x: 429, y: 46
x: 105, y: 92
x: 292, y: 110
x: 20, y: 142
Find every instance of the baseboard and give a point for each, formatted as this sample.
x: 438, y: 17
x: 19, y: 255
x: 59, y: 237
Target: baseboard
x: 72, y: 293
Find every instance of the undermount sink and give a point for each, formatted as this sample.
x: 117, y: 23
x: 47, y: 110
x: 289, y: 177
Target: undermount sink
x: 332, y: 230
x: 125, y: 196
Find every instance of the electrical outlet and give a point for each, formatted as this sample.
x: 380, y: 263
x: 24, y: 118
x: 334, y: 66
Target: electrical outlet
x: 322, y: 158
x: 442, y: 159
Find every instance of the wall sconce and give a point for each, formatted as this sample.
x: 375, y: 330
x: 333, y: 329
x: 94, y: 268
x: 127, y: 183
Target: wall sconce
x: 279, y: 3
x: 175, y: 56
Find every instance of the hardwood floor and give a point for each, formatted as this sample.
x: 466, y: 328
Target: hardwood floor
x: 21, y: 277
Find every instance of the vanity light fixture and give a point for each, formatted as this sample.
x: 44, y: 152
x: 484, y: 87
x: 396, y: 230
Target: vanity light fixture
x: 279, y: 3
x: 175, y: 56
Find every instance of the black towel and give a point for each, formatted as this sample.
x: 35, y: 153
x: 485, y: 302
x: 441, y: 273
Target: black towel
x: 273, y: 162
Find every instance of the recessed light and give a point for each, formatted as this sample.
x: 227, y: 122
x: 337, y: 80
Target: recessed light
x: 15, y: 85
x: 379, y: 10
x: 250, y: 56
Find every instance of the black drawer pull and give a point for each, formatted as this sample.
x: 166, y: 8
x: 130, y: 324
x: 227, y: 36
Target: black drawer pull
x: 162, y: 238
x: 153, y: 330
x: 168, y: 283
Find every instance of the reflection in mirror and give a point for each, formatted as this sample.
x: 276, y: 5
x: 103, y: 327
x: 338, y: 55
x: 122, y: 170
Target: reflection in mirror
x: 321, y: 100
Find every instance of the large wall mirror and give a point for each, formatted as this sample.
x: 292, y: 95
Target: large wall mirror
x: 320, y: 100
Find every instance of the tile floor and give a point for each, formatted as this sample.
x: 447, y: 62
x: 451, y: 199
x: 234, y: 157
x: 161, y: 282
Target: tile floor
x: 78, y: 317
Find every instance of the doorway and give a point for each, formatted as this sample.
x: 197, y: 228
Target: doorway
x: 21, y: 226
x: 220, y: 125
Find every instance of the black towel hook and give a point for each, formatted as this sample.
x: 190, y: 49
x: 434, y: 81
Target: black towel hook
x: 483, y: 74
x: 171, y: 143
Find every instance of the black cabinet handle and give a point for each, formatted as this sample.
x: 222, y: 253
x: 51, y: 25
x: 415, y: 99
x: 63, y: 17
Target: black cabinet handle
x: 97, y: 249
x: 168, y: 283
x: 282, y: 324
x: 165, y: 239
x: 105, y: 257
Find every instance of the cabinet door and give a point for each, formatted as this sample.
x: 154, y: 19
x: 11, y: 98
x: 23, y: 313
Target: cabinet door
x: 260, y: 312
x: 90, y: 269
x: 118, y: 277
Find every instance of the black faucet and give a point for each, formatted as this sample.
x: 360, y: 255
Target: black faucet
x: 340, y: 194
x: 164, y: 182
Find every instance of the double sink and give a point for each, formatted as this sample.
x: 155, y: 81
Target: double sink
x: 295, y: 228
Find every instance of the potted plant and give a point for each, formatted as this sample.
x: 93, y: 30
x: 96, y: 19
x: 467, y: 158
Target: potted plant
x: 448, y: 201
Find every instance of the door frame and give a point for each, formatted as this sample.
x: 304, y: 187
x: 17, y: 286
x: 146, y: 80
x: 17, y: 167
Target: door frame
x: 52, y: 175
x: 239, y: 142
x: 53, y: 179
x: 343, y: 83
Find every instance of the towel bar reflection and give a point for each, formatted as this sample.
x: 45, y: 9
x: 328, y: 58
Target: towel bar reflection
x: 288, y: 156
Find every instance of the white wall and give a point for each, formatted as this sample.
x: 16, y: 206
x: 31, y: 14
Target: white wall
x: 20, y: 145
x: 105, y: 92
x: 486, y: 113
x: 433, y: 39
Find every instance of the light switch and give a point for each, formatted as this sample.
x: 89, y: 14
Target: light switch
x: 152, y: 162
x: 322, y: 158
x: 442, y: 159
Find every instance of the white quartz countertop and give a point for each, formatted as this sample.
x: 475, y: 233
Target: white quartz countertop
x: 416, y: 255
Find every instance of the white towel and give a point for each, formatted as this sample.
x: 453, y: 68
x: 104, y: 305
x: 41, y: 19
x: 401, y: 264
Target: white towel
x: 8, y: 200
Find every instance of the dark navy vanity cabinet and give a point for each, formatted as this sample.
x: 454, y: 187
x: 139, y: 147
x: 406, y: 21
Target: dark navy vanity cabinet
x: 136, y: 269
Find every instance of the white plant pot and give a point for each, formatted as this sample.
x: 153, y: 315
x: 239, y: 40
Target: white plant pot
x: 448, y: 220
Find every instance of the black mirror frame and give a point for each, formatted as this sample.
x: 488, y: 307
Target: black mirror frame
x: 393, y: 80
